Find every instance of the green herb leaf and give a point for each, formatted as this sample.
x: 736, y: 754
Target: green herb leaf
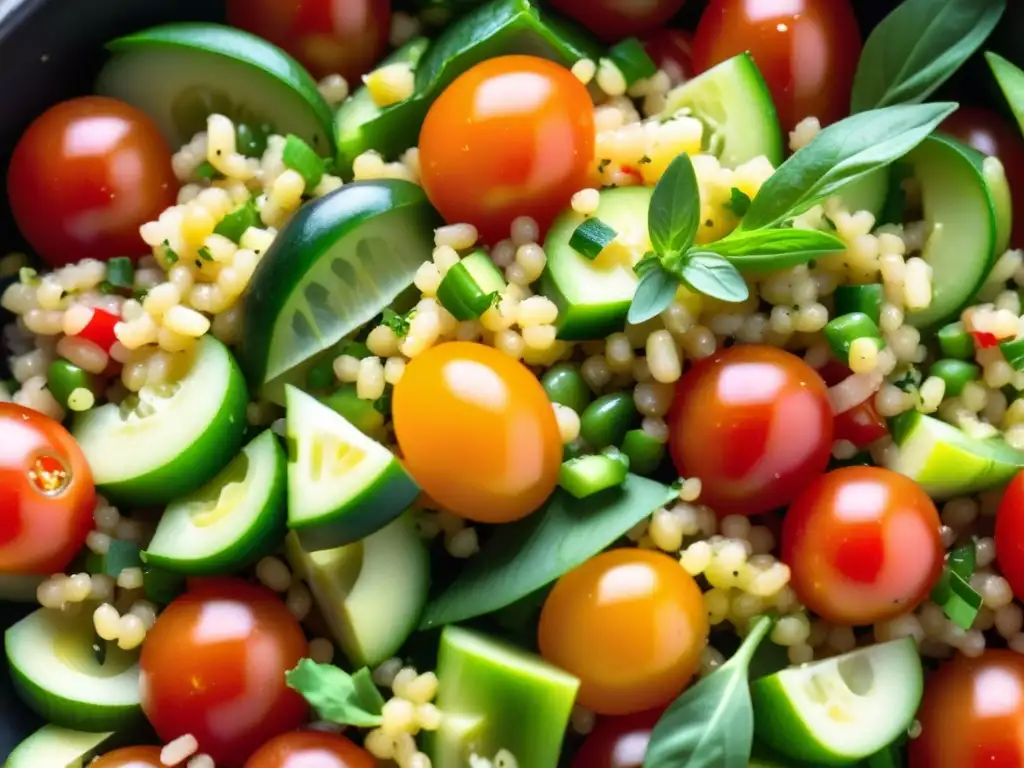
x: 633, y: 61
x: 169, y: 255
x: 919, y: 46
x: 396, y: 322
x: 646, y: 264
x: 336, y: 695
x: 769, y: 250
x: 522, y: 557
x: 1011, y: 81
x: 301, y: 157
x: 205, y: 170
x: 654, y: 293
x: 204, y: 253
x: 675, y: 208
x: 591, y: 237
x: 120, y: 272
x: 962, y: 560
x: 714, y: 276
x: 959, y: 600
x: 712, y: 724
x: 234, y: 225
x: 738, y: 203
x: 840, y: 155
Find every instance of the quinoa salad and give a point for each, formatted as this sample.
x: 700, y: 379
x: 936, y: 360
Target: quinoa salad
x: 521, y: 384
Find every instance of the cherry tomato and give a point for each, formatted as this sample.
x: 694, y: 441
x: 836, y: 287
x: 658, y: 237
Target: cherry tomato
x: 513, y: 136
x: 613, y: 20
x: 990, y: 134
x: 302, y: 749
x: 346, y: 37
x: 971, y: 714
x: 863, y: 545
x: 477, y: 432
x: 630, y: 624
x: 100, y: 329
x: 807, y: 51
x: 47, y: 497
x: 770, y: 417
x: 130, y: 757
x: 1010, y: 534
x: 85, y: 176
x: 213, y: 665
x: 618, y: 742
x: 672, y: 51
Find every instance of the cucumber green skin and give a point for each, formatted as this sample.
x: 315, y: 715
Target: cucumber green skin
x: 999, y: 188
x: 607, y: 420
x: 73, y: 714
x: 247, y: 49
x: 77, y: 747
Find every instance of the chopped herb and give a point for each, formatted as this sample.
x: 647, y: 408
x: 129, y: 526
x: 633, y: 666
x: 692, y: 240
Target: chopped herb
x: 591, y: 237
x: 28, y: 276
x: 645, y: 160
x: 139, y: 294
x: 396, y: 322
x: 169, y: 255
x: 603, y: 165
x: 198, y: 263
x: 234, y: 225
x: 120, y: 272
x: 300, y: 157
x: 739, y: 202
x: 107, y: 288
x: 632, y: 60
x: 204, y: 253
x: 909, y: 381
x: 205, y: 170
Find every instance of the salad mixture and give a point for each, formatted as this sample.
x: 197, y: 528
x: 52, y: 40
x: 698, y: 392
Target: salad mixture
x: 575, y: 391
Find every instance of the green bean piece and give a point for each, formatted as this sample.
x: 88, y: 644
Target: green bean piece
x: 566, y: 386
x: 956, y: 374
x: 63, y: 378
x: 644, y: 452
x: 607, y: 420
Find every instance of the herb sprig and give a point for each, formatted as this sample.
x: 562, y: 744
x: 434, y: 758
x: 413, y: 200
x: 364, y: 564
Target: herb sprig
x: 337, y: 696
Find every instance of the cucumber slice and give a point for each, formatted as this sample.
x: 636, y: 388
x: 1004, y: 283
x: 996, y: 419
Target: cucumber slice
x: 181, y: 73
x: 961, y: 216
x: 593, y: 296
x: 232, y: 521
x: 945, y: 461
x: 56, y: 673
x: 342, y: 486
x: 470, y: 287
x: 843, y: 709
x: 995, y: 176
x: 867, y: 194
x: 736, y: 107
x: 371, y: 593
x: 175, y: 439
x: 337, y: 264
x: 497, y: 696
x: 55, y: 747
x: 19, y: 588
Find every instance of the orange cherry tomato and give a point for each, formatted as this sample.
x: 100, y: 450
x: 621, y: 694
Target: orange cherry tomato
x: 513, y: 136
x: 477, y: 432
x: 85, y: 176
x: 863, y: 545
x: 807, y: 51
x: 130, y: 757
x: 309, y: 749
x: 630, y: 624
x: 214, y: 666
x: 971, y: 714
x: 47, y: 497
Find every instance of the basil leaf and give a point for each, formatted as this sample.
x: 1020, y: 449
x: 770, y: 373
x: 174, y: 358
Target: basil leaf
x: 919, y: 46
x: 769, y: 250
x: 714, y: 276
x: 525, y: 556
x: 840, y: 155
x: 335, y: 695
x: 1011, y: 81
x: 654, y: 293
x: 674, y: 214
x: 711, y: 725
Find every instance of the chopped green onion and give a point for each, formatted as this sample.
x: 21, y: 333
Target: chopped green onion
x: 860, y: 298
x: 161, y: 586
x: 739, y: 202
x: 591, y: 237
x: 28, y: 276
x: 300, y: 157
x: 204, y: 253
x: 249, y: 141
x: 63, y: 378
x: 399, y: 324
x: 205, y: 170
x: 962, y: 560
x: 121, y: 272
x: 956, y: 374
x: 321, y: 375
x: 955, y: 341
x: 234, y: 225
x: 845, y: 329
x: 645, y: 453
x: 633, y: 61
x: 471, y: 287
x: 356, y: 349
x: 169, y: 255
x: 587, y: 475
x: 140, y: 294
x: 1013, y: 351
x: 121, y: 555
x: 107, y: 288
x: 954, y: 593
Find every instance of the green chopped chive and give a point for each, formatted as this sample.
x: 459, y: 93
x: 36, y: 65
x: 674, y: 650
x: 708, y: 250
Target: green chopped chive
x: 586, y: 475
x: 955, y: 341
x: 396, y: 322
x: 300, y: 157
x: 107, y: 288
x: 121, y: 272
x: 169, y: 255
x: 471, y: 287
x: 954, y: 593
x: 860, y: 298
x: 845, y: 329
x: 956, y: 374
x: 1013, y: 351
x: 591, y: 237
x: 633, y: 61
x: 234, y: 225
x: 28, y: 276
x: 205, y: 170
x: 204, y: 253
x: 121, y: 555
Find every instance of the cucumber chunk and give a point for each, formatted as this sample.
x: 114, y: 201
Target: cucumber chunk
x: 371, y: 593
x: 586, y: 475
x: 497, y: 696
x: 843, y: 709
x: 55, y: 747
x: 232, y: 521
x: 593, y: 296
x: 174, y: 439
x: 995, y: 176
x: 56, y: 673
x: 179, y: 74
x: 342, y: 485
x: 736, y: 107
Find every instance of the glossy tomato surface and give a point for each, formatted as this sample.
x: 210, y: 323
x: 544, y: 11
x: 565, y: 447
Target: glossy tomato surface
x: 862, y: 545
x: 630, y: 624
x: 477, y: 432
x: 807, y: 51
x: 1010, y: 535
x: 672, y: 51
x: 513, y: 136
x: 618, y: 742
x: 130, y: 757
x: 47, y: 497
x: 85, y: 176
x: 347, y: 37
x: 310, y: 749
x: 613, y: 20
x: 971, y: 714
x: 214, y: 666
x: 754, y: 424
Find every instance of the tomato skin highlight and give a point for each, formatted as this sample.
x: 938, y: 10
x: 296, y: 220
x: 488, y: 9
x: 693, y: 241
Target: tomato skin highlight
x: 130, y: 757
x: 613, y: 20
x: 606, y: 622
x: 754, y: 424
x: 513, y: 136
x: 1009, y: 535
x: 310, y: 748
x: 618, y: 742
x: 84, y: 177
x: 971, y: 714
x: 862, y: 545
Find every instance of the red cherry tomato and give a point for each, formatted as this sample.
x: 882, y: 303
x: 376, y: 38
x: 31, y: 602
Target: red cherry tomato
x: 863, y: 545
x: 618, y: 742
x: 971, y: 714
x: 299, y: 749
x: 613, y: 20
x: 214, y: 666
x: 807, y: 51
x: 672, y: 51
x: 100, y: 330
x: 513, y: 136
x: 990, y: 134
x: 85, y: 176
x: 754, y: 424
x: 130, y: 757
x: 346, y: 37
x: 1010, y: 535
x: 47, y: 497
